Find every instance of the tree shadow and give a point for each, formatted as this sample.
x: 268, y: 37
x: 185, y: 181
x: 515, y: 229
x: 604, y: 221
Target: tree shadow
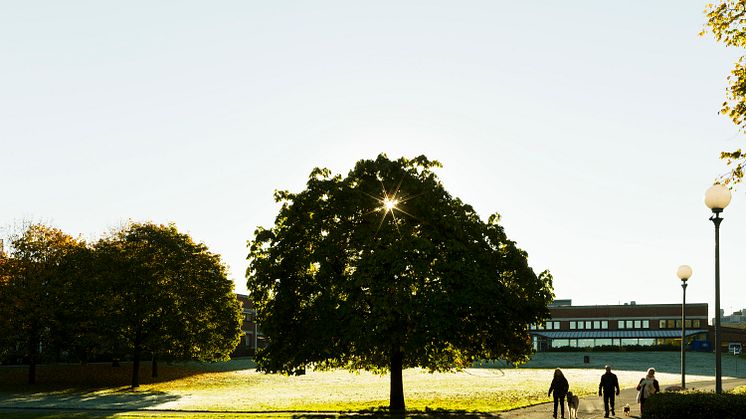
x: 428, y: 413
x: 72, y: 399
x: 52, y: 377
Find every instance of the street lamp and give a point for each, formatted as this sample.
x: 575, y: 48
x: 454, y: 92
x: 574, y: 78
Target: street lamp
x: 684, y: 273
x: 717, y: 197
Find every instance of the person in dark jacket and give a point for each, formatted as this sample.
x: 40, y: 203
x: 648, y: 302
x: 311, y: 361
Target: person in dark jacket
x: 559, y: 386
x: 609, y: 386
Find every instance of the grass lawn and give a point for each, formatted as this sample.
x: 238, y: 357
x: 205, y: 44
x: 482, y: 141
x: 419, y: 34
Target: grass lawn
x: 235, y: 386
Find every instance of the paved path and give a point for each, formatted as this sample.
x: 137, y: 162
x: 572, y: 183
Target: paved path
x: 593, y: 406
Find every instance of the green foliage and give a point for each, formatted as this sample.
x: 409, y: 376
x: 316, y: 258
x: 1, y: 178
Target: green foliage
x: 344, y: 280
x: 695, y: 405
x: 146, y: 289
x: 40, y: 261
x: 726, y: 20
x: 172, y: 296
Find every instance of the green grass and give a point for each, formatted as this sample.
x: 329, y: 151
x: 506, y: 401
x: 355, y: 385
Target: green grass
x: 235, y: 387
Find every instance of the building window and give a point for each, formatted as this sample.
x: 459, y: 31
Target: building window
x: 620, y: 324
x: 695, y: 323
x: 596, y: 324
x: 588, y: 324
x: 580, y: 325
x: 638, y: 324
x: 585, y: 343
x: 556, y: 325
x: 670, y: 324
x: 572, y: 325
x: 688, y: 324
x: 646, y: 324
x: 558, y: 343
x: 661, y: 324
x: 630, y: 324
x: 604, y: 324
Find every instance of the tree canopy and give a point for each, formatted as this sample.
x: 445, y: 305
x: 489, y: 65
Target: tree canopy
x: 383, y: 270
x: 39, y: 261
x: 726, y: 20
x: 173, y: 298
x: 145, y: 289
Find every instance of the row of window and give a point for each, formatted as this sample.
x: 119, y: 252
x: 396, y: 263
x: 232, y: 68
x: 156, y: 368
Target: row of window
x: 588, y: 324
x: 676, y: 324
x: 633, y: 324
x: 621, y: 324
x: 589, y: 343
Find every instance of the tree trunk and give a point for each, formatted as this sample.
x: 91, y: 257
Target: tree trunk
x: 136, y: 360
x: 154, y: 369
x: 32, y: 351
x: 396, y: 396
x: 136, y: 368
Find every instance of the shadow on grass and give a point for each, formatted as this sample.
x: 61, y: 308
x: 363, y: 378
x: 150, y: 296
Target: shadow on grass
x: 52, y: 414
x: 383, y: 413
x: 87, y: 400
x: 52, y: 377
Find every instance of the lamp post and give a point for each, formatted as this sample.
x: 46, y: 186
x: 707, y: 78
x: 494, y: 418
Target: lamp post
x: 684, y: 273
x: 717, y: 197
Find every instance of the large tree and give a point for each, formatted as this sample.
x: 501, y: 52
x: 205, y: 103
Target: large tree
x: 726, y: 20
x: 40, y: 259
x: 173, y: 296
x: 383, y: 270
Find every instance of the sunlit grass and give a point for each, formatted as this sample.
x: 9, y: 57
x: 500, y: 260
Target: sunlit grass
x: 237, y: 387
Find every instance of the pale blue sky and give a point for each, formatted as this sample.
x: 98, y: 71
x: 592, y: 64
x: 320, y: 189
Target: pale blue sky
x: 591, y: 126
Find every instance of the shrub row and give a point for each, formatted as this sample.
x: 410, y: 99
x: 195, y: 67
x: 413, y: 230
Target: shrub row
x: 695, y: 405
x: 610, y: 348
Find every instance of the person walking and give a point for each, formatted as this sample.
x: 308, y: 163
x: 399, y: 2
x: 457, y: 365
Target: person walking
x: 647, y: 387
x: 560, y: 387
x: 609, y: 386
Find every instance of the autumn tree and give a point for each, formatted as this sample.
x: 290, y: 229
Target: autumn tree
x: 173, y: 297
x: 40, y: 258
x: 726, y: 21
x: 383, y: 270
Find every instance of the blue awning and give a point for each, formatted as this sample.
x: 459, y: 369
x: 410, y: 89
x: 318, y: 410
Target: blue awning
x: 613, y: 334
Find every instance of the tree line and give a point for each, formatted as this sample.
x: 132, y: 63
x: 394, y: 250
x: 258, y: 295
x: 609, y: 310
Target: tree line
x: 144, y: 291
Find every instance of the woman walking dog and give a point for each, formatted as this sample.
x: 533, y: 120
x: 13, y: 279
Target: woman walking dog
x: 559, y: 386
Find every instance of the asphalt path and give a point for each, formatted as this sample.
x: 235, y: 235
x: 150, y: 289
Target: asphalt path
x: 593, y: 406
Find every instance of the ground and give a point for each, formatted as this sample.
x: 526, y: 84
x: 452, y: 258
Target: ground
x: 237, y: 387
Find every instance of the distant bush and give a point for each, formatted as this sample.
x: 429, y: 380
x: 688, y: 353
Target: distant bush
x: 695, y: 405
x: 610, y: 348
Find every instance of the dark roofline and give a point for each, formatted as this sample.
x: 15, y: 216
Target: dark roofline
x: 628, y: 305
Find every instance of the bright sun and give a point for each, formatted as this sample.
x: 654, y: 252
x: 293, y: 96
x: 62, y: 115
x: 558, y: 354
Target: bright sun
x: 389, y: 204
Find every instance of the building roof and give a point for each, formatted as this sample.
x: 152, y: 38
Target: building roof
x: 591, y: 334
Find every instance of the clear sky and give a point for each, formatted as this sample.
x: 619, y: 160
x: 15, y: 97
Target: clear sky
x: 592, y: 127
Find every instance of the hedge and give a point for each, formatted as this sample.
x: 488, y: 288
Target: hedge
x: 695, y: 405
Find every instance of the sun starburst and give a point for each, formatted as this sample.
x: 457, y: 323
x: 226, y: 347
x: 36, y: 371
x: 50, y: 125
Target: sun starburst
x: 390, y: 203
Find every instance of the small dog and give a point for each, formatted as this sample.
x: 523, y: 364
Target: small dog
x: 572, y: 405
x: 626, y: 409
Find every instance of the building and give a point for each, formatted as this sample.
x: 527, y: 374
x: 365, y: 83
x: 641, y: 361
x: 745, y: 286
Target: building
x: 251, y: 334
x: 620, y: 325
x: 737, y: 319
